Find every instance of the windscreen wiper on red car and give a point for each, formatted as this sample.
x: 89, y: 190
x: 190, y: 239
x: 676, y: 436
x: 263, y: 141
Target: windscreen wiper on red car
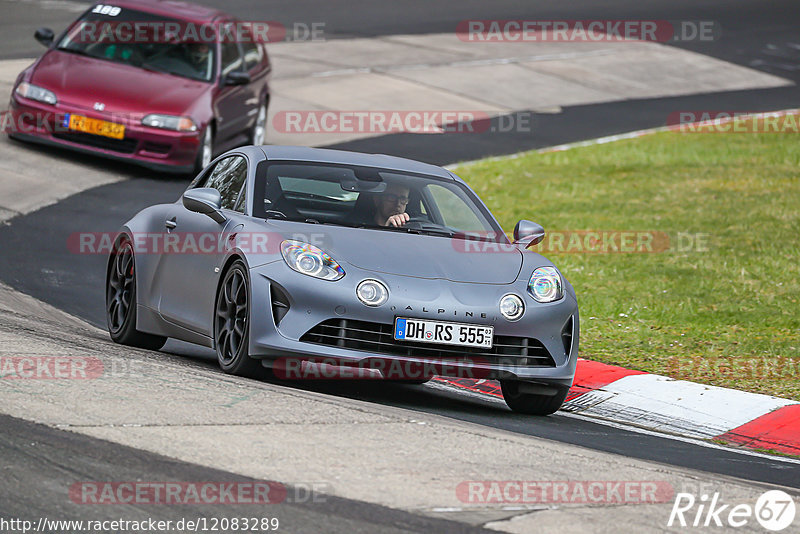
x: 78, y: 51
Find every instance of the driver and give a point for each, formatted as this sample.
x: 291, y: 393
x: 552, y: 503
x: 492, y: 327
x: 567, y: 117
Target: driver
x: 197, y: 54
x: 390, y: 206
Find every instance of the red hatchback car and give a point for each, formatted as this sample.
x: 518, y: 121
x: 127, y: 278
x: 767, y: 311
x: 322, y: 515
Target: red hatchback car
x: 133, y: 81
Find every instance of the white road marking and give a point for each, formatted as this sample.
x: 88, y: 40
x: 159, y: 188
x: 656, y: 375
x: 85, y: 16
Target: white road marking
x: 609, y: 419
x: 681, y: 407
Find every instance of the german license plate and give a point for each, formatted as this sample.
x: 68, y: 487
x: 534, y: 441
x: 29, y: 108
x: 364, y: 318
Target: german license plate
x: 79, y: 123
x: 445, y: 333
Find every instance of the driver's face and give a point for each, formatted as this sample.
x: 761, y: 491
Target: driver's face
x: 198, y: 52
x: 392, y: 201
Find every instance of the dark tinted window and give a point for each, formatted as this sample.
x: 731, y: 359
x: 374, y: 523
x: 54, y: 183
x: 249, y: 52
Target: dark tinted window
x: 133, y: 37
x: 350, y: 195
x: 252, y: 55
x: 228, y: 176
x: 231, y: 59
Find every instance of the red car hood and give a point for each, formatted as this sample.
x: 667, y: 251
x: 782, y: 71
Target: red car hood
x: 81, y: 81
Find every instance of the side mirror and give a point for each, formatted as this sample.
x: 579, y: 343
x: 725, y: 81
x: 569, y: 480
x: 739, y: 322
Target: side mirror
x: 44, y: 36
x: 205, y: 200
x: 237, y: 78
x: 528, y: 233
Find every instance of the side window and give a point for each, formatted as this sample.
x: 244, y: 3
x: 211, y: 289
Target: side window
x: 228, y: 176
x: 252, y: 54
x: 231, y: 59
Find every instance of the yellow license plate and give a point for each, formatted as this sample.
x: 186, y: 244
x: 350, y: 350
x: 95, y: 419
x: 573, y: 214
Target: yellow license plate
x: 96, y: 126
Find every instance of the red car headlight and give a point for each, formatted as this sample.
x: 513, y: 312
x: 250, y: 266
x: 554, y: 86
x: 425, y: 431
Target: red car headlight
x: 170, y: 122
x: 34, y: 92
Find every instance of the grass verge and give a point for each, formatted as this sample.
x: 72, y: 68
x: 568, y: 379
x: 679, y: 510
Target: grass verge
x: 717, y: 300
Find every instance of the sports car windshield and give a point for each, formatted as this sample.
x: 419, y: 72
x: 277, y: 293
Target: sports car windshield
x: 365, y: 197
x: 143, y: 40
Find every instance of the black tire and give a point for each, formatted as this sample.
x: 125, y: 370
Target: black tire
x: 532, y: 403
x: 204, y: 153
x: 232, y: 323
x: 121, y: 301
x: 255, y: 136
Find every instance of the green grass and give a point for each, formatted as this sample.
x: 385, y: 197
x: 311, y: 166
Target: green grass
x: 726, y: 313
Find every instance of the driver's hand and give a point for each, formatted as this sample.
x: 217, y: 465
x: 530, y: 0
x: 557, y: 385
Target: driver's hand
x: 398, y: 220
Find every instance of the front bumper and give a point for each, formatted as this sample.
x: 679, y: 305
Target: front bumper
x: 160, y: 150
x: 312, y: 302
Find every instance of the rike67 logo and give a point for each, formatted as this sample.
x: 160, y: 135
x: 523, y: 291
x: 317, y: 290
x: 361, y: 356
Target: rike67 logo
x: 774, y: 510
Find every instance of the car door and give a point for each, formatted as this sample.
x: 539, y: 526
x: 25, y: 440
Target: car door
x: 234, y: 104
x: 188, y: 273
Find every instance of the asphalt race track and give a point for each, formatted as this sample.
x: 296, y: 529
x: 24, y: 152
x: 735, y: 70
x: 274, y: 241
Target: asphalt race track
x: 757, y: 35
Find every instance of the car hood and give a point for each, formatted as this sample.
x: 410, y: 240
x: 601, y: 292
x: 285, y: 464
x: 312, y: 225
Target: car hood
x: 81, y: 81
x: 404, y: 254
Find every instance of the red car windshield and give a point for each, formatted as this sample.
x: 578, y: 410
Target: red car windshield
x: 146, y: 41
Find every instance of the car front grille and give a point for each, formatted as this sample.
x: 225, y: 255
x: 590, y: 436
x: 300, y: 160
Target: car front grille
x: 378, y: 338
x: 156, y: 148
x: 124, y: 146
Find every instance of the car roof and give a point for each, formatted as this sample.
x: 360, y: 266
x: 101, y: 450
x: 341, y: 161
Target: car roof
x: 326, y: 155
x: 175, y: 9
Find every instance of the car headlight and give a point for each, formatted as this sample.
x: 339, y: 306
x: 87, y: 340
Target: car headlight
x: 512, y: 307
x: 170, y: 122
x: 310, y: 260
x: 545, y: 285
x: 34, y: 92
x: 372, y: 292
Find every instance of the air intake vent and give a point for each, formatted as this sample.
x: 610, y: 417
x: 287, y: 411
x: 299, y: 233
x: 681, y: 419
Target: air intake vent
x: 280, y: 303
x: 378, y: 338
x: 566, y: 336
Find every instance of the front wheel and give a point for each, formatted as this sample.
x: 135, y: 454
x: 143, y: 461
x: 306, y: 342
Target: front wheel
x: 259, y: 132
x: 531, y: 403
x: 232, y: 323
x: 121, y: 301
x: 205, y: 153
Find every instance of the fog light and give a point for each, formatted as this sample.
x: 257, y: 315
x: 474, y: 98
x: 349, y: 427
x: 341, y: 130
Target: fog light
x: 512, y: 307
x: 372, y: 293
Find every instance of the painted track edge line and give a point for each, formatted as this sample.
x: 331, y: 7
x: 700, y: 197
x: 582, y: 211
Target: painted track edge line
x: 686, y: 409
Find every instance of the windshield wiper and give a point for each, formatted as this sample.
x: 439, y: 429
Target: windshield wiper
x: 402, y: 229
x: 165, y: 71
x: 274, y: 214
x: 434, y: 231
x: 78, y: 51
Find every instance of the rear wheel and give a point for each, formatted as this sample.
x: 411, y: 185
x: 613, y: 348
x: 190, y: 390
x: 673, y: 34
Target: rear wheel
x: 121, y: 301
x: 232, y: 323
x: 531, y: 403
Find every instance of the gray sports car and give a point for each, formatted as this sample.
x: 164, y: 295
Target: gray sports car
x: 299, y: 259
